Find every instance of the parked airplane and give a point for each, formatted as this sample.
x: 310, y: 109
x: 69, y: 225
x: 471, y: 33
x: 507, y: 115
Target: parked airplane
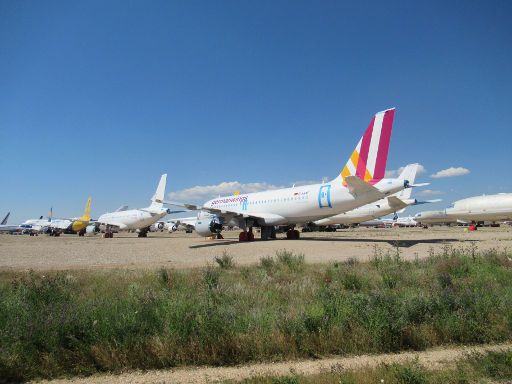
x: 131, y: 219
x: 360, y: 182
x: 396, y: 221
x: 477, y: 209
x: 71, y: 226
x: 395, y: 203
x: 185, y: 223
x: 433, y: 217
x: 6, y: 228
x: 35, y: 226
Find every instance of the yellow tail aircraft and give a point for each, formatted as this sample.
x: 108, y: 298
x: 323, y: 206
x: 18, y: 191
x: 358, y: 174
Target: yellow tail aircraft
x: 72, y: 226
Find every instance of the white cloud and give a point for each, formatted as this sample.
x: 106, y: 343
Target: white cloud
x: 396, y: 172
x: 450, y: 172
x: 429, y: 192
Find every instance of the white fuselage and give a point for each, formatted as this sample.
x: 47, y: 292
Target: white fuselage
x: 300, y: 204
x: 433, y: 217
x: 132, y: 218
x: 365, y: 213
x: 482, y: 208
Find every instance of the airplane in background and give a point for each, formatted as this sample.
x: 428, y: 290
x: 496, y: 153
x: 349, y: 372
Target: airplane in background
x: 360, y: 182
x: 6, y: 228
x: 185, y: 223
x: 477, y: 209
x: 36, y: 226
x: 433, y: 218
x: 396, y: 221
x: 132, y: 219
x: 395, y: 203
x: 71, y: 226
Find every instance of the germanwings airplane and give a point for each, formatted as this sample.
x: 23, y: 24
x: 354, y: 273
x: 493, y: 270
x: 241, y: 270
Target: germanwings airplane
x: 360, y: 182
x: 394, y: 203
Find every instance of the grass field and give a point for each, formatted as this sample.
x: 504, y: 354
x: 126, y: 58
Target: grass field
x: 496, y: 366
x: 79, y: 323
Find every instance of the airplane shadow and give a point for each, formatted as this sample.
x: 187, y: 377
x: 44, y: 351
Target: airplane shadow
x: 394, y: 243
x: 215, y: 243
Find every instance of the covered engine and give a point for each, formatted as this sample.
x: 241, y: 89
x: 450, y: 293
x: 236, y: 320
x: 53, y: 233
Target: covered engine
x: 208, y: 226
x: 159, y: 226
x: 92, y: 229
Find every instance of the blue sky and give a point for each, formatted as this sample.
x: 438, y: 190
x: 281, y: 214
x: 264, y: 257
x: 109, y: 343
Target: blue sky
x: 101, y: 97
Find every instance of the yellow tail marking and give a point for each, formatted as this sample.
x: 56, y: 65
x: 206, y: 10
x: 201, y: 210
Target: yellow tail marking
x: 355, y: 158
x: 367, y: 175
x: 87, y: 211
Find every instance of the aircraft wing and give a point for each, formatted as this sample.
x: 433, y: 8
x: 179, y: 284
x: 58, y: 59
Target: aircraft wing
x: 396, y: 203
x: 227, y: 213
x: 358, y: 187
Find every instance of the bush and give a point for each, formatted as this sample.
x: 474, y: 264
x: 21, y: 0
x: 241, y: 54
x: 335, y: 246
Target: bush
x: 225, y: 261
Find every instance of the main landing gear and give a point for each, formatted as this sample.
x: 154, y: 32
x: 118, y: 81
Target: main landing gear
x: 246, y: 235
x: 143, y: 232
x: 108, y: 233
x: 292, y: 234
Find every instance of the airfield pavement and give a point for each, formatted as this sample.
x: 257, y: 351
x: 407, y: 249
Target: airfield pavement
x: 181, y: 250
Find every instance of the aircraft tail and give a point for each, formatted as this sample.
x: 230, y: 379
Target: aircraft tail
x: 87, y: 211
x: 368, y: 160
x: 4, y: 221
x: 409, y: 174
x: 158, y: 197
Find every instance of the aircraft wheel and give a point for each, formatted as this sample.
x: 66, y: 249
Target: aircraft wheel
x: 296, y: 234
x: 289, y: 234
x: 250, y: 236
x: 242, y: 236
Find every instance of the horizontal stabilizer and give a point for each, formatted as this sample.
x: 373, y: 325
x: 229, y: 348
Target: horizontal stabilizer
x: 418, y: 185
x: 396, y: 203
x: 122, y: 208
x: 358, y: 187
x: 191, y: 207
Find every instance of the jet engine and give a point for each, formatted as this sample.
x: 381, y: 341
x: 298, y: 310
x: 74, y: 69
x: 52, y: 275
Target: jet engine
x: 208, y: 226
x: 92, y: 229
x: 159, y: 226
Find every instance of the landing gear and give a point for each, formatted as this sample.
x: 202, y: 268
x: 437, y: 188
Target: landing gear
x: 143, y: 232
x: 81, y: 233
x: 246, y: 236
x: 292, y: 234
x: 268, y: 233
x: 108, y: 233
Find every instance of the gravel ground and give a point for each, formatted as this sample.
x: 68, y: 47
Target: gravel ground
x: 181, y: 250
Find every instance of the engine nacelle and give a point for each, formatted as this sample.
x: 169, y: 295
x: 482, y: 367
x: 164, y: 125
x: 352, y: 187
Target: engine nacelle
x: 159, y: 225
x: 92, y: 229
x: 208, y: 226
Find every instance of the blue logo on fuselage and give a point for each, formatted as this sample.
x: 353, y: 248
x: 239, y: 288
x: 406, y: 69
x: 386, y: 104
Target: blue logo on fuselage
x: 324, y: 196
